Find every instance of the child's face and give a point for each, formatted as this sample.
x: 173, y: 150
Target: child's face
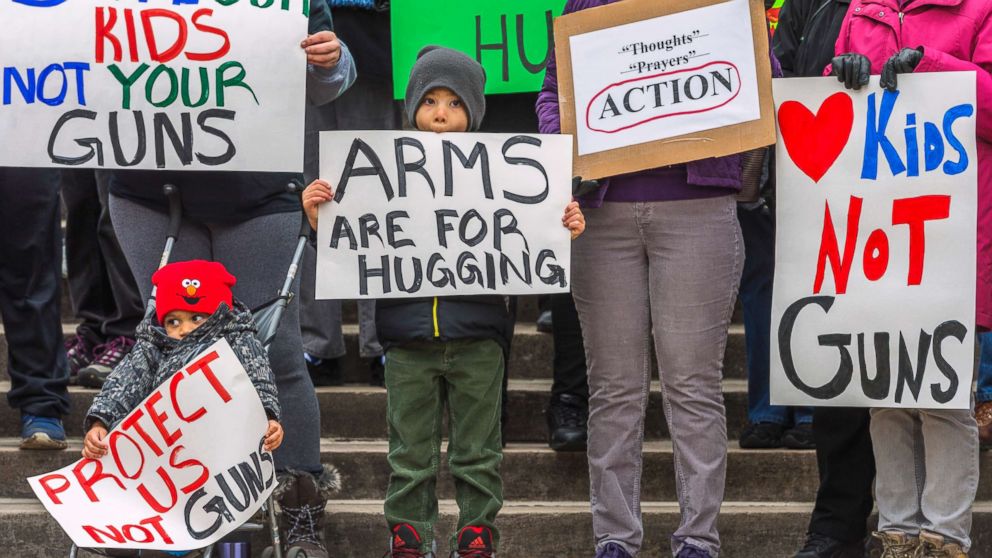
x: 179, y: 323
x: 442, y: 111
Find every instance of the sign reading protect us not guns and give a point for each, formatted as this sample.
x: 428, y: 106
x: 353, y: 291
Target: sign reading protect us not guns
x: 875, y: 269
x: 185, y: 468
x: 153, y: 84
x: 644, y: 84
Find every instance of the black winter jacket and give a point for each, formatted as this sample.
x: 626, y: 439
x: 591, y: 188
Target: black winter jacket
x: 806, y: 33
x: 402, y: 320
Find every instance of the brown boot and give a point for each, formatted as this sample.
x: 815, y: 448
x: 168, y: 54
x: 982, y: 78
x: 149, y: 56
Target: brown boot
x: 983, y: 415
x: 933, y: 545
x: 896, y: 544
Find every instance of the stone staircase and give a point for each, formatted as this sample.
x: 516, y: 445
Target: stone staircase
x: 769, y: 494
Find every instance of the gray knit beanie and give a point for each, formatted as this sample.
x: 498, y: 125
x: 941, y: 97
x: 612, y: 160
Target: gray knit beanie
x: 443, y: 67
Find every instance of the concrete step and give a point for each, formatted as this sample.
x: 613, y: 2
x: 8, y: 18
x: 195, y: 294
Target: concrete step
x: 356, y: 529
x: 531, y: 472
x: 359, y: 412
x: 531, y: 355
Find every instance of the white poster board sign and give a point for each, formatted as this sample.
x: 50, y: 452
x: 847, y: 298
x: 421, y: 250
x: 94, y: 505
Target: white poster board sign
x: 664, y: 77
x: 184, y: 469
x: 153, y: 85
x: 423, y: 214
x: 874, y: 301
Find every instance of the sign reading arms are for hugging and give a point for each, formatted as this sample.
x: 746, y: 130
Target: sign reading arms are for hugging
x: 184, y: 468
x: 874, y: 301
x: 146, y: 84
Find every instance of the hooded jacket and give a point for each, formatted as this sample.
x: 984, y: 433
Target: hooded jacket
x: 720, y: 172
x: 806, y: 33
x: 956, y: 35
x: 156, y: 357
x: 403, y: 320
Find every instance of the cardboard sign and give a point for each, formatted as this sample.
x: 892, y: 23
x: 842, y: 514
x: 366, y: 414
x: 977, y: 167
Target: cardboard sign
x: 422, y: 214
x: 643, y: 84
x: 512, y: 39
x: 184, y: 469
x: 153, y: 85
x: 874, y: 301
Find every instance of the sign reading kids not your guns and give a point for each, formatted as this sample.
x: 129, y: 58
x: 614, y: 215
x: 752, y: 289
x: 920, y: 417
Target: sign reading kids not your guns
x: 156, y: 84
x: 874, y: 301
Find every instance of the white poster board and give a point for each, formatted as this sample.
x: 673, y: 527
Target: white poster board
x: 159, y: 85
x: 874, y: 300
x: 664, y: 77
x: 423, y: 214
x: 184, y: 469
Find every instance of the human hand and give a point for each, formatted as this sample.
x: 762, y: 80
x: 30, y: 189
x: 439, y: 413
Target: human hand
x: 318, y: 192
x: 574, y: 220
x: 852, y: 69
x: 94, y: 446
x: 323, y: 49
x: 903, y: 62
x: 273, y: 436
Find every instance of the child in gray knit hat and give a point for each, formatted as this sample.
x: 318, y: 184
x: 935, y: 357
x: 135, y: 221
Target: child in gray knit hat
x: 443, y: 350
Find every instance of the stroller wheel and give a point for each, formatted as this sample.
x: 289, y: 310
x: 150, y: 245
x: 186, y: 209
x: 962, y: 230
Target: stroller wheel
x: 296, y: 552
x: 269, y: 552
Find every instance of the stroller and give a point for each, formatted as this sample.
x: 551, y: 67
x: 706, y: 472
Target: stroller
x: 267, y: 317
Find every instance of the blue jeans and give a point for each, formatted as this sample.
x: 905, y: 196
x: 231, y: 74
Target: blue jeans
x: 758, y: 228
x: 984, y: 392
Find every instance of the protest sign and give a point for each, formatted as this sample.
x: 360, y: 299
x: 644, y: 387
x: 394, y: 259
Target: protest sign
x: 512, y: 39
x: 153, y: 85
x: 644, y: 84
x: 185, y: 468
x: 876, y: 205
x: 425, y: 214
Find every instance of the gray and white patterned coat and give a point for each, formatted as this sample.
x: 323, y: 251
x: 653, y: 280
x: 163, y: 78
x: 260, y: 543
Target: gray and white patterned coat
x: 156, y: 357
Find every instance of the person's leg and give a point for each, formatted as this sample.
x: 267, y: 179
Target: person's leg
x: 414, y: 405
x: 950, y: 443
x: 568, y: 408
x: 142, y: 232
x: 89, y: 289
x: 695, y: 256
x: 846, y: 465
x: 30, y: 304
x: 983, y: 394
x: 126, y: 302
x: 610, y: 287
x: 368, y: 340
x: 258, y: 252
x: 897, y: 440
x: 474, y: 380
x: 320, y: 320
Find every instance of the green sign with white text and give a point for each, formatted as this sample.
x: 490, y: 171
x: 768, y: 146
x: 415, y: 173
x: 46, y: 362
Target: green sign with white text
x: 512, y: 39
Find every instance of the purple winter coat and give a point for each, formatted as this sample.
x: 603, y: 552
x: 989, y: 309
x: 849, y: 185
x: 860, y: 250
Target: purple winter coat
x: 722, y: 172
x: 956, y: 35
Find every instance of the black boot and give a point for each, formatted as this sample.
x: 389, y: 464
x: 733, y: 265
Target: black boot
x: 567, y: 416
x: 302, y: 498
x: 822, y: 546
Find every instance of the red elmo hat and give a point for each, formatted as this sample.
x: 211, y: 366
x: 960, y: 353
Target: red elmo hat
x: 194, y: 286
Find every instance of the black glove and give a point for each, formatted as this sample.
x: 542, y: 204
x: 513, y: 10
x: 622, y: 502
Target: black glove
x: 902, y: 62
x: 582, y: 187
x: 852, y: 69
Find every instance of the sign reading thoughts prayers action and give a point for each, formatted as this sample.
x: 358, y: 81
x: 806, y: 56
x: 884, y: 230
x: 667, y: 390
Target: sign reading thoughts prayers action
x: 153, y: 84
x: 874, y: 301
x: 424, y: 214
x: 185, y: 468
x: 644, y: 84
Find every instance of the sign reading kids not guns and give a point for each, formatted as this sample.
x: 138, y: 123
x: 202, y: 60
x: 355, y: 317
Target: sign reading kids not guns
x: 874, y: 299
x: 512, y: 39
x: 424, y: 214
x: 643, y: 84
x: 185, y: 468
x: 153, y: 84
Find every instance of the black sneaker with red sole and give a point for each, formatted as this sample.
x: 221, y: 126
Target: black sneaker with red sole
x: 474, y: 542
x: 405, y: 542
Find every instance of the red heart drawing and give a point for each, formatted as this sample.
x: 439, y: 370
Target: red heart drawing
x: 815, y: 141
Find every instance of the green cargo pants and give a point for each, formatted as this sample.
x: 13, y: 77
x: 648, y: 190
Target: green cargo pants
x: 420, y: 378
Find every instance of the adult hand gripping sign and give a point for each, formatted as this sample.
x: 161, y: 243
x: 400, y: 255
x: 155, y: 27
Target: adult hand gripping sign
x: 185, y: 468
x: 874, y: 301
